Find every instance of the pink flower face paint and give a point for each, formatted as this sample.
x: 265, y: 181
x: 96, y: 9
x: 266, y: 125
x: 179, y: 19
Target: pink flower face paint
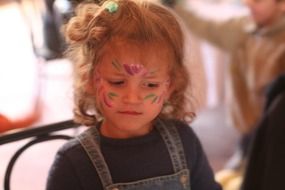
x: 135, y: 69
x: 131, y: 69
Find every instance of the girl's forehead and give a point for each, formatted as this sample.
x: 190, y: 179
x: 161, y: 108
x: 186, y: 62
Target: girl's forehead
x: 151, y: 57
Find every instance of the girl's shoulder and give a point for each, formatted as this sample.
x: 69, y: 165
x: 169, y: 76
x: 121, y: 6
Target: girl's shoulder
x: 181, y: 126
x: 70, y: 147
x: 185, y: 131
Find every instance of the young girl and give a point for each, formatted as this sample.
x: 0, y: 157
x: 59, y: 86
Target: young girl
x: 130, y: 87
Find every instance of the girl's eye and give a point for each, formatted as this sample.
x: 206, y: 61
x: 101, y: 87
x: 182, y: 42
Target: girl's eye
x: 116, y: 83
x: 151, y: 84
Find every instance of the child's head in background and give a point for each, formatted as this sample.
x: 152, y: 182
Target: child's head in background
x: 266, y: 12
x: 129, y: 68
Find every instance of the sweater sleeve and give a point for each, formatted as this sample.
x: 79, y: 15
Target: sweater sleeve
x: 201, y: 173
x: 225, y: 34
x: 62, y: 176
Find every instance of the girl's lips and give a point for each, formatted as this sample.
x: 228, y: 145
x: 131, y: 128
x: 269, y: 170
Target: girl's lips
x: 130, y: 112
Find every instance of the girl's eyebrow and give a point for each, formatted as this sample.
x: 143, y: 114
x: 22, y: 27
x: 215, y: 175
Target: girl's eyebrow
x: 151, y: 77
x: 118, y: 73
x: 151, y: 74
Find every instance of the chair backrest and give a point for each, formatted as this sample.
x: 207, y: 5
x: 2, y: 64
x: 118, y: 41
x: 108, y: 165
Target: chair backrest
x: 34, y: 136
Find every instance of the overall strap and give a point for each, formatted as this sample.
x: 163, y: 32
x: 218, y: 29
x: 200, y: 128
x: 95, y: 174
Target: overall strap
x: 172, y: 139
x: 90, y: 142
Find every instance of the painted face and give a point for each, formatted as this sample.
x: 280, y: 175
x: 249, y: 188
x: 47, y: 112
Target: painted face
x: 265, y: 12
x: 130, y: 95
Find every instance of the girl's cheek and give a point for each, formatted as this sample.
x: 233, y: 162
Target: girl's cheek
x: 108, y: 97
x: 154, y: 99
x: 161, y: 98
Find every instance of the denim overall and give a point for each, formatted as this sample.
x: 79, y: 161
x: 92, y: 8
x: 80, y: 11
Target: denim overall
x: 177, y: 181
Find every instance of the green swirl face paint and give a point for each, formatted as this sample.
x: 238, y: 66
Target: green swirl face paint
x: 151, y: 96
x: 111, y: 95
x: 117, y: 65
x: 154, y: 99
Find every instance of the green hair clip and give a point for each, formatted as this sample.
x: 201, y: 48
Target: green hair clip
x: 111, y: 6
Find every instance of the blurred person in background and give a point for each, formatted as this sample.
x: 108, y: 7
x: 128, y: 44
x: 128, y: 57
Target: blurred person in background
x: 20, y: 105
x: 256, y: 45
x: 7, y: 124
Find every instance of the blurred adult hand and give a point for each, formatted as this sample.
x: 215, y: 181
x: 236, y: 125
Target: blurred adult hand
x: 6, y: 124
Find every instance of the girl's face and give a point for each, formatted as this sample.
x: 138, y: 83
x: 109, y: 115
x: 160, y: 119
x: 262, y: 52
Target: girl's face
x: 131, y: 89
x: 265, y: 12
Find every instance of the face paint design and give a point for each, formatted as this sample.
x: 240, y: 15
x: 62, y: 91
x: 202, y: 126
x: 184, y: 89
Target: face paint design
x: 151, y: 96
x: 161, y: 97
x: 101, y: 92
x: 117, y: 65
x: 154, y: 98
x: 132, y: 69
x: 108, y: 98
x: 111, y: 95
x: 135, y: 69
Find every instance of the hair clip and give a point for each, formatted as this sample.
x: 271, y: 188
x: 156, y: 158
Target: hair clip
x: 111, y: 6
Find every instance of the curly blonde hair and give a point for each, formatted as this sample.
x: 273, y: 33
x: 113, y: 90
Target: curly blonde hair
x: 141, y: 22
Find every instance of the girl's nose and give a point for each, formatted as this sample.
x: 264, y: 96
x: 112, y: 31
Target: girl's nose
x: 132, y: 95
